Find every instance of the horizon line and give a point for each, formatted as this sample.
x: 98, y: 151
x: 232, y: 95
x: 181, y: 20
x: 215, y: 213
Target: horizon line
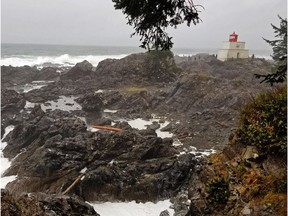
x: 94, y: 45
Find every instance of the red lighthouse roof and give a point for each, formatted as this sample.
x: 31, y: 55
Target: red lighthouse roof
x: 233, y: 37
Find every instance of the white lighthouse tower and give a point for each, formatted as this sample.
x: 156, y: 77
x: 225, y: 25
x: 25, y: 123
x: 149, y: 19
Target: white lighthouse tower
x: 233, y: 49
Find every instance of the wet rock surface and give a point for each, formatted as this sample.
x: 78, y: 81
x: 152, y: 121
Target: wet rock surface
x: 11, y: 104
x: 90, y: 102
x: 121, y: 166
x: 137, y: 69
x: 80, y: 70
x: 11, y: 76
x: 200, y: 99
x: 43, y: 205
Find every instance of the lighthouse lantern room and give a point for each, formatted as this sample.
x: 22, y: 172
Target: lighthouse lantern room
x: 233, y: 37
x: 233, y: 49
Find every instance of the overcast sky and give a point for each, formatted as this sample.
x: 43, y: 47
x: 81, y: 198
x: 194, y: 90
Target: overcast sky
x: 95, y: 22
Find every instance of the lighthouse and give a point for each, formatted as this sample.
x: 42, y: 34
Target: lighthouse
x: 233, y: 49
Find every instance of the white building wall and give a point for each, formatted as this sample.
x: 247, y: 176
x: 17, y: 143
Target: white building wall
x: 222, y: 54
x: 232, y: 50
x: 226, y: 45
x: 236, y: 53
x: 237, y: 45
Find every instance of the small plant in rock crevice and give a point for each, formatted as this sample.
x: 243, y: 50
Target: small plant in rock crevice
x: 218, y: 190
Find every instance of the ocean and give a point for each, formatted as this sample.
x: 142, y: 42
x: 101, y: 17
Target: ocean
x: 41, y: 55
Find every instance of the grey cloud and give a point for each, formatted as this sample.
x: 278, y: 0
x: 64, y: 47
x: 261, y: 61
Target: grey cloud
x: 95, y: 22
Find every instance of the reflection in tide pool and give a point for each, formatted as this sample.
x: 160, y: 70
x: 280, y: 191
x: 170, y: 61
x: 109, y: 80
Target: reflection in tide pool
x: 63, y: 103
x: 142, y: 124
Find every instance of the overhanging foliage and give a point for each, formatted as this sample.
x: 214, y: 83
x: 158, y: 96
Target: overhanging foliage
x: 279, y: 46
x: 150, y: 18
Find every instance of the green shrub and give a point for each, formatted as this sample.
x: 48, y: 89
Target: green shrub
x: 161, y: 54
x: 280, y: 183
x: 164, y: 59
x: 218, y: 190
x: 263, y: 122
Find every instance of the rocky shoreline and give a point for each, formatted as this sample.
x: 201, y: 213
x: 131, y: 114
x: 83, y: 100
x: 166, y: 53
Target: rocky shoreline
x: 50, y: 147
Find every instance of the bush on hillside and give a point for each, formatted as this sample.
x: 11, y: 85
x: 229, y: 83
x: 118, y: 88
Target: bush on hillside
x: 263, y: 122
x: 218, y: 190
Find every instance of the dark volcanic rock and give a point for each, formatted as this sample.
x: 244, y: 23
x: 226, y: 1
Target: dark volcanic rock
x: 11, y: 104
x: 90, y: 102
x: 46, y: 93
x: 202, y: 100
x: 52, y: 91
x: 19, y: 206
x: 128, y: 165
x: 11, y: 101
x: 146, y: 180
x: 60, y: 88
x: 65, y: 205
x: 40, y: 127
x: 133, y: 104
x: 207, y: 97
x: 136, y: 69
x: 11, y: 76
x: 2, y: 130
x: 48, y: 73
x: 80, y: 70
x: 43, y: 205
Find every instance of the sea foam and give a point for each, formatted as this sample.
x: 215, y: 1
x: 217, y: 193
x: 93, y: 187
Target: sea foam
x: 133, y: 208
x: 64, y: 60
x: 5, y: 162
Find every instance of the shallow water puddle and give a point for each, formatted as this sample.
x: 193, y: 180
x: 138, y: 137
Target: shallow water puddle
x: 142, y: 124
x: 63, y: 103
x: 30, y: 86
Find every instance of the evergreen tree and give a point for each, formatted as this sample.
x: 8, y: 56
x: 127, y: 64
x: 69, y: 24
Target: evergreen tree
x: 279, y: 47
x: 150, y: 18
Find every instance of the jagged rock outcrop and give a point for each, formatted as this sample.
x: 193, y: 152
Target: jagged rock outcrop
x: 11, y: 76
x: 11, y: 104
x: 48, y: 73
x: 208, y: 96
x: 80, y: 70
x: 205, y: 98
x: 137, y: 69
x: 249, y: 177
x: 43, y: 205
x: 129, y: 102
x: 201, y: 100
x: 129, y: 165
x: 40, y: 126
x: 91, y: 102
x: 66, y: 205
x: 46, y: 93
x: 11, y: 101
